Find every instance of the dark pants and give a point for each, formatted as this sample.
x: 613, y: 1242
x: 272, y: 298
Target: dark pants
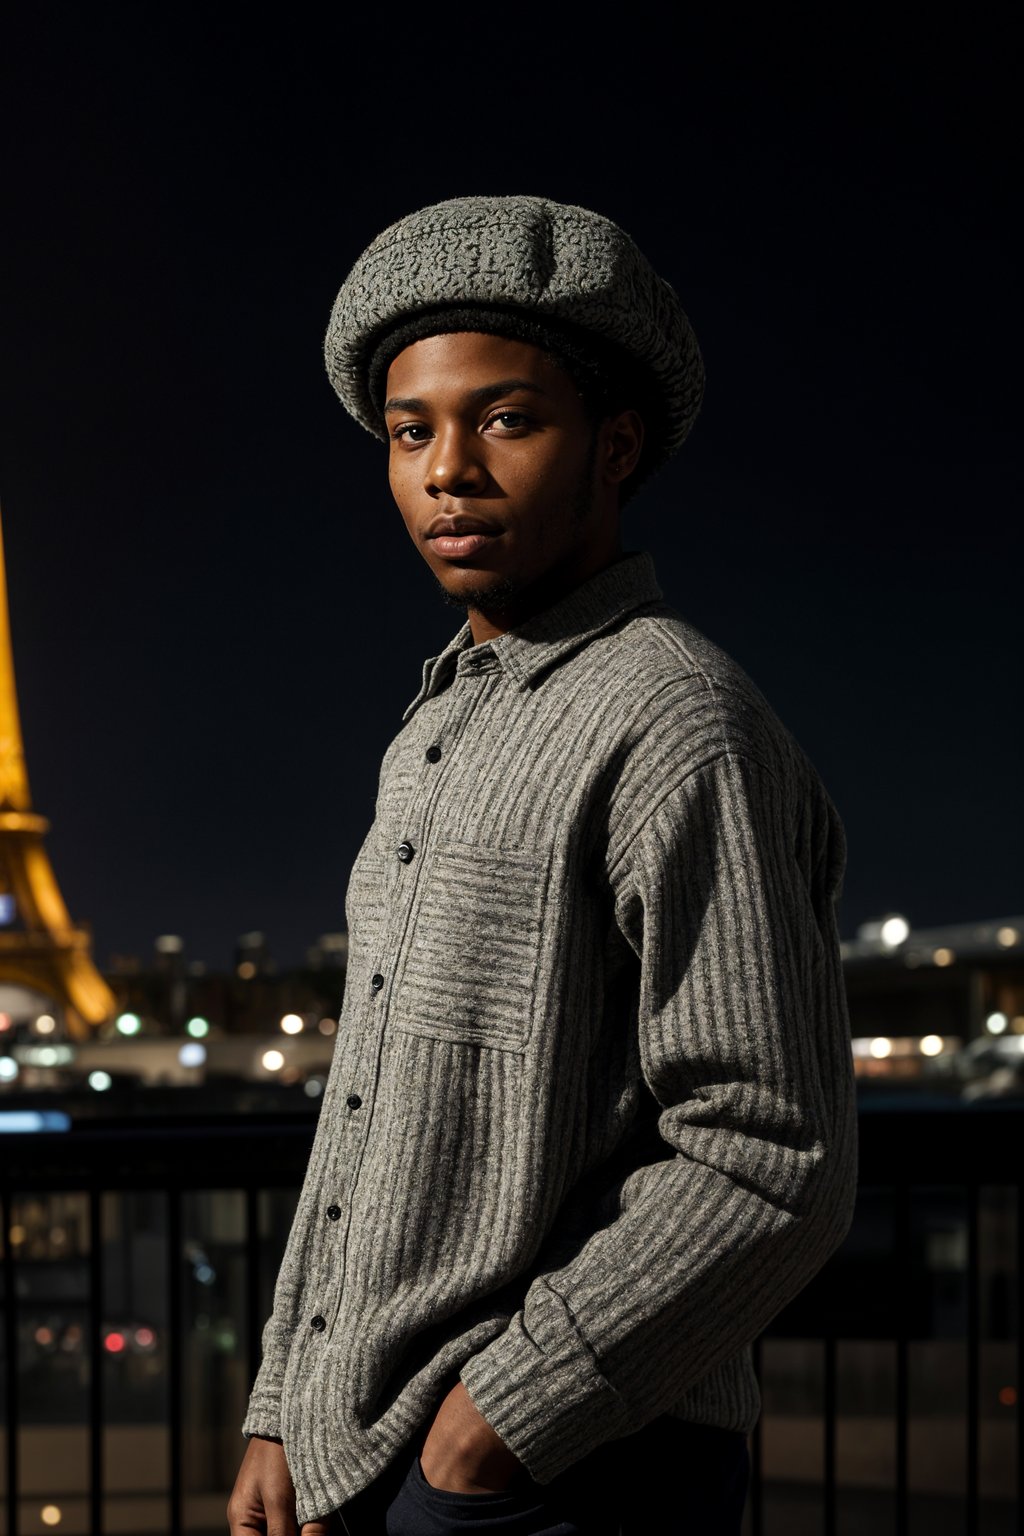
x: 669, y: 1479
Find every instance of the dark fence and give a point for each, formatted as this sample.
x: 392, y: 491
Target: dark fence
x: 138, y: 1265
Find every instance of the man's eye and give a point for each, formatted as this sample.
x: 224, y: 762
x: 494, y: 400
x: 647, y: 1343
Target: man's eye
x: 415, y: 431
x: 510, y: 420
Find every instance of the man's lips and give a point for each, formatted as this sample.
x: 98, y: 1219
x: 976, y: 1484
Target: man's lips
x: 459, y: 544
x: 455, y: 538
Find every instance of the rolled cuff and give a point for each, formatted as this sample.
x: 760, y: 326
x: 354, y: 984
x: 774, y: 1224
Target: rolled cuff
x: 540, y: 1387
x: 263, y: 1417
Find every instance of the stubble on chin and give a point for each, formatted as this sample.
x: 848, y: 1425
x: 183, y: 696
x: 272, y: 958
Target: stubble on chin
x: 496, y: 597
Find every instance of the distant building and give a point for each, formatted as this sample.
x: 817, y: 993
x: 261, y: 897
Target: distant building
x: 919, y: 997
x: 252, y: 956
x: 330, y: 952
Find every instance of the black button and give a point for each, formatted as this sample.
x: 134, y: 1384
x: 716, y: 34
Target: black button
x: 376, y: 981
x: 353, y: 1101
x: 333, y: 1212
x: 318, y: 1323
x: 405, y: 852
x: 433, y: 754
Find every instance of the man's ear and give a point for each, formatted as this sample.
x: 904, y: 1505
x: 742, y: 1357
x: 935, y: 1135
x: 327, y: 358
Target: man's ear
x: 620, y: 444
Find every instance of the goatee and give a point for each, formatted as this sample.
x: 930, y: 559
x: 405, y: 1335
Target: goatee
x: 495, y: 598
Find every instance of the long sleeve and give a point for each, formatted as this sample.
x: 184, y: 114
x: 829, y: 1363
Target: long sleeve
x: 726, y: 892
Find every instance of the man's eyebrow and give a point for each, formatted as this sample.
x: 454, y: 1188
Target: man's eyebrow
x: 405, y: 403
x: 484, y: 393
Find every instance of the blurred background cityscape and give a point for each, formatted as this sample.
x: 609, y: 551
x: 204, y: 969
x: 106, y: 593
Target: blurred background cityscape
x: 937, y: 1015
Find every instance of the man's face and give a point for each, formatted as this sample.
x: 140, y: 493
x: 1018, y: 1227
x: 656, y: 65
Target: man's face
x: 493, y: 464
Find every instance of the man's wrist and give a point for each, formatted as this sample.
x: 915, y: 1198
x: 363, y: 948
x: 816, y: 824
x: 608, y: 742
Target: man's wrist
x: 463, y: 1453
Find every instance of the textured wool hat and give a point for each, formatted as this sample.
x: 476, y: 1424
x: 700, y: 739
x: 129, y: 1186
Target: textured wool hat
x: 559, y: 276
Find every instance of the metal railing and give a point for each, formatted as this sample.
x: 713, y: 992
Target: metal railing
x: 887, y: 1283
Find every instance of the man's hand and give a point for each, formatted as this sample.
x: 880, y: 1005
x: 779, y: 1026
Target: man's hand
x: 462, y: 1453
x: 263, y: 1498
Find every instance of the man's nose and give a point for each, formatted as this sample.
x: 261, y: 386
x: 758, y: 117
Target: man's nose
x: 454, y: 467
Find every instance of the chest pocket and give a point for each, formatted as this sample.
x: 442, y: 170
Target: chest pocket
x: 474, y: 950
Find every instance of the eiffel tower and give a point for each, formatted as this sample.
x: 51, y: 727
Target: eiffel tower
x: 39, y: 947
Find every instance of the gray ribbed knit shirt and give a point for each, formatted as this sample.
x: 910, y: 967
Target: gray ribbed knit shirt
x: 590, y: 1121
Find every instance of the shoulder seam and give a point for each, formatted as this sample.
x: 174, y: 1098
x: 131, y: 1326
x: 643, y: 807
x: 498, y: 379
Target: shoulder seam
x: 677, y: 644
x: 725, y: 752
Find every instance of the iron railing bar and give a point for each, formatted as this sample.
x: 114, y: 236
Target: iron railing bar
x: 830, y: 1395
x: 11, y: 1353
x: 1018, y: 1291
x: 756, y: 1494
x: 973, y: 1357
x: 175, y: 1357
x: 253, y: 1299
x: 901, y: 1219
x: 96, y: 1310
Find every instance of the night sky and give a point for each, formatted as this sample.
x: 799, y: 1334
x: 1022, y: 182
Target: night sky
x: 217, y: 615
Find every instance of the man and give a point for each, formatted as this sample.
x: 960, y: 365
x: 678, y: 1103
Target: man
x: 590, y: 1121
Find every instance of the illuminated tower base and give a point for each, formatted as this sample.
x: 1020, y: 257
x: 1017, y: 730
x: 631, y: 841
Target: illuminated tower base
x: 40, y: 948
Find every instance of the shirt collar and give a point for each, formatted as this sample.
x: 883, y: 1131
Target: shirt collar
x: 549, y: 637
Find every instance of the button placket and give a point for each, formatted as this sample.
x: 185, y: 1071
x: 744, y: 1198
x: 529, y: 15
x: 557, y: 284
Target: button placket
x: 403, y: 897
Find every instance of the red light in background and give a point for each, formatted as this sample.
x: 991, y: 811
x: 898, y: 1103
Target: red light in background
x: 114, y: 1342
x: 145, y: 1338
x: 44, y: 1335
x: 1008, y: 1396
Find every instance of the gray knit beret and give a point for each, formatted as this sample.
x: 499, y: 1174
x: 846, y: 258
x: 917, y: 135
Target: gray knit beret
x: 525, y: 266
